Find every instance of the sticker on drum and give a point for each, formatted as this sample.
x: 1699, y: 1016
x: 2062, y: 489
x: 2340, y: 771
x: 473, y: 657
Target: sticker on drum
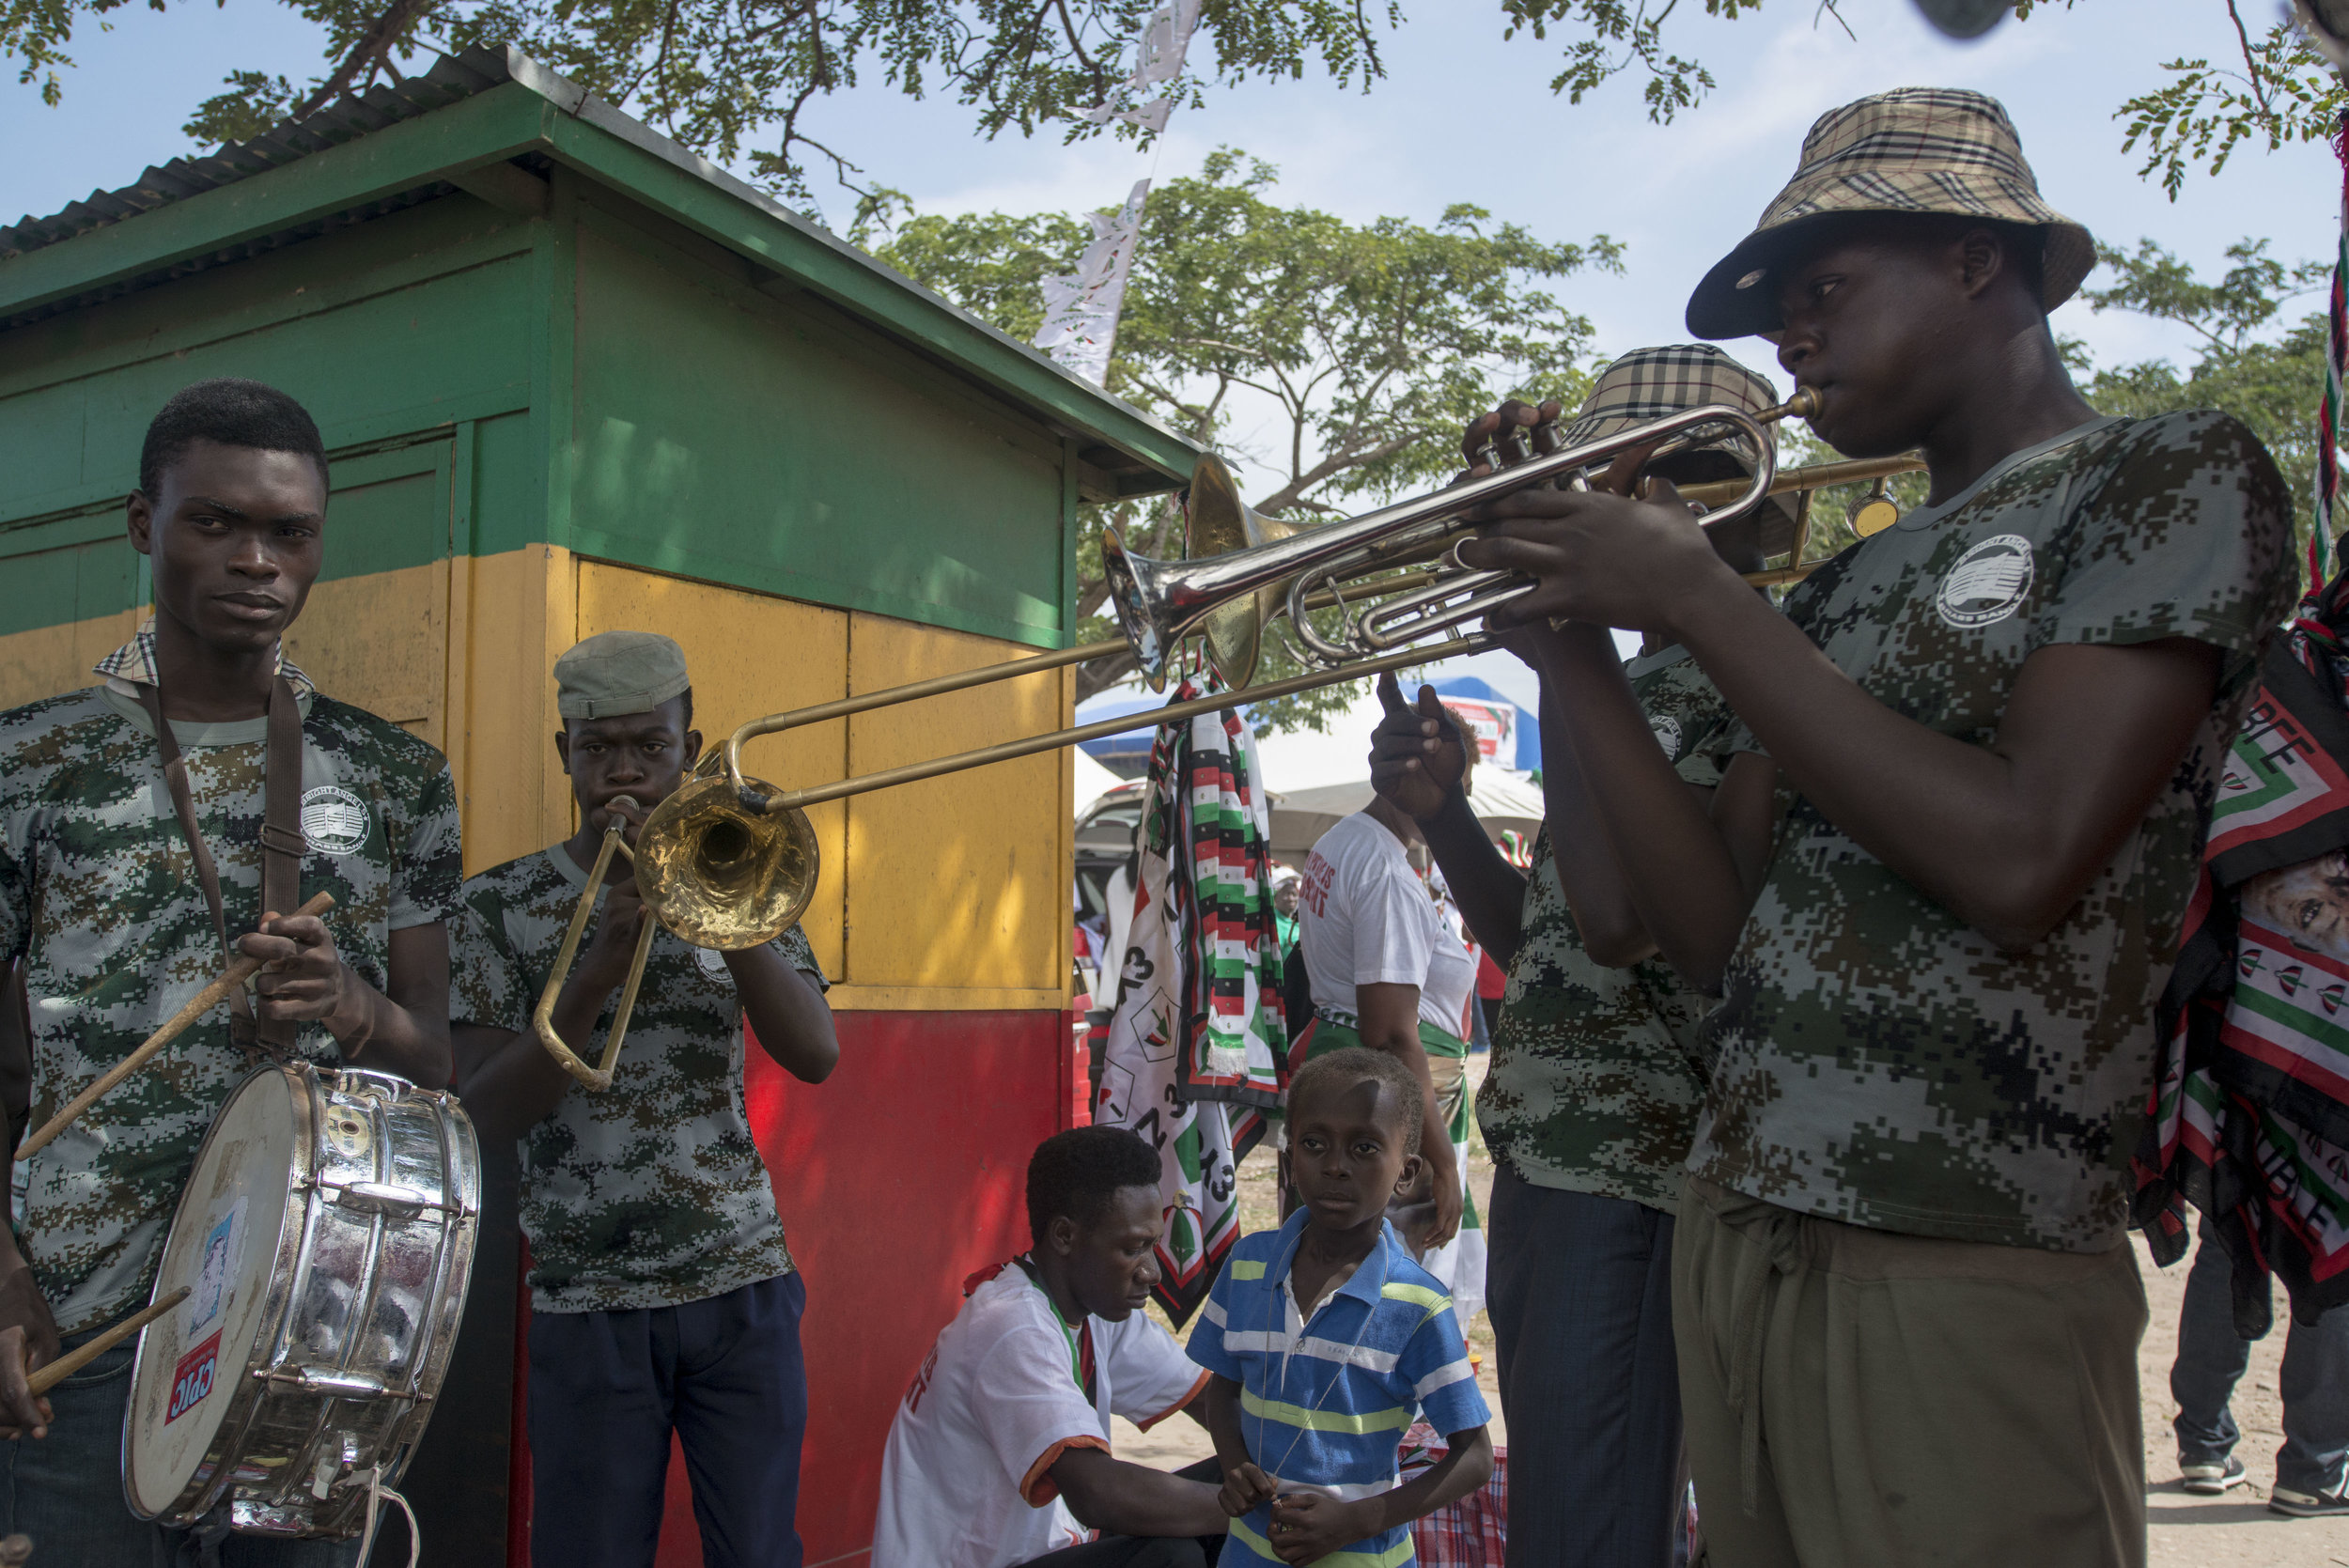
x: 193, y: 1378
x: 224, y: 1250
x: 349, y: 1133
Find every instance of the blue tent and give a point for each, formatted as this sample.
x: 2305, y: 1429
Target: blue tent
x: 1529, y: 727
x: 1127, y: 755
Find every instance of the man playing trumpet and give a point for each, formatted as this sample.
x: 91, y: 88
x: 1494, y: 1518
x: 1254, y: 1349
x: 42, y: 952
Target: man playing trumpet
x: 1593, y: 1095
x: 1941, y: 885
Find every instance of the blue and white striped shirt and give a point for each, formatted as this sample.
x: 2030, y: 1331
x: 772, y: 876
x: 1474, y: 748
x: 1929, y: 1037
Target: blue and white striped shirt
x: 1323, y: 1403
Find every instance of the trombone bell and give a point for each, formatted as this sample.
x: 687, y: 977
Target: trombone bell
x: 720, y: 874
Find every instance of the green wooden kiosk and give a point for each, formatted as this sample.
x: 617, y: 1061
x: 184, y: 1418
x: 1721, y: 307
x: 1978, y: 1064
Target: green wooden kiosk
x: 574, y: 378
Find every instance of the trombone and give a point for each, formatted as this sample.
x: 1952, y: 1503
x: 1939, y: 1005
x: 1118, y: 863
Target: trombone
x: 728, y: 861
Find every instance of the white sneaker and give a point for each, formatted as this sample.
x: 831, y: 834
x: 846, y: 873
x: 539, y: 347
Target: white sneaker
x: 2212, y: 1476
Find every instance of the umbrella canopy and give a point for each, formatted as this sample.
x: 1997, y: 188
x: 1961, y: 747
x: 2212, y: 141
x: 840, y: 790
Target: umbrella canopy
x: 1501, y: 801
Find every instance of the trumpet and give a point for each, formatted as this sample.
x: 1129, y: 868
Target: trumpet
x: 729, y: 861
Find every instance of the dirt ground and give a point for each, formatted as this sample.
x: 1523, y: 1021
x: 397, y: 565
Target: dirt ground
x: 2231, y: 1531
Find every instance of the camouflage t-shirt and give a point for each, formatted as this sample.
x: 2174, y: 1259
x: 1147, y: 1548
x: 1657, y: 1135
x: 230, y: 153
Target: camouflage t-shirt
x: 1591, y: 1088
x: 99, y: 896
x: 1880, y: 1062
x: 650, y: 1193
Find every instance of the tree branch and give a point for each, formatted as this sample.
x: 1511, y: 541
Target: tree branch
x: 366, y: 52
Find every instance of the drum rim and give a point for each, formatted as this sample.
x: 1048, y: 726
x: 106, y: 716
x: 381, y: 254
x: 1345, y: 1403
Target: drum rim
x: 215, y: 1478
x: 211, y: 1475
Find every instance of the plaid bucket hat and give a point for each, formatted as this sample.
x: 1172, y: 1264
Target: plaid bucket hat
x: 1915, y: 150
x: 1646, y: 384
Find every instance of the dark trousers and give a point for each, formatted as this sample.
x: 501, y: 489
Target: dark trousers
x: 1135, y: 1551
x: 1578, y: 1288
x: 607, y: 1388
x: 65, y: 1491
x: 2211, y: 1361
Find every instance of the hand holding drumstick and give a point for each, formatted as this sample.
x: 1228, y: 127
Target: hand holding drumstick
x: 23, y: 1386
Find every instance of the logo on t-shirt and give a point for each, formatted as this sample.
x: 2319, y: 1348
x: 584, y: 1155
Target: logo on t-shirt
x: 333, y: 820
x: 1667, y: 730
x: 1989, y: 583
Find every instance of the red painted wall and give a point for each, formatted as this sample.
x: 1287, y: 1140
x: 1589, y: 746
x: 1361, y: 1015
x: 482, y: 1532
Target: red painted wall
x: 896, y: 1178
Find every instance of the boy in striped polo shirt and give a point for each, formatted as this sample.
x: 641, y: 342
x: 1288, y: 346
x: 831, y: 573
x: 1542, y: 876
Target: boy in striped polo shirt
x: 1325, y: 1336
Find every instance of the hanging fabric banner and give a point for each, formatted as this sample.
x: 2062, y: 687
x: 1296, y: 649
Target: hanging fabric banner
x: 1080, y: 310
x: 1194, y: 1049
x: 2249, y: 1120
x: 1165, y: 42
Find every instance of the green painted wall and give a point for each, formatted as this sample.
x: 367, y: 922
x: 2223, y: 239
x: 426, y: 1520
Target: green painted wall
x: 773, y: 444
x: 603, y: 378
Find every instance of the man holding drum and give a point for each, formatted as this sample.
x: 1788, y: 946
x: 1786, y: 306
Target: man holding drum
x: 127, y: 857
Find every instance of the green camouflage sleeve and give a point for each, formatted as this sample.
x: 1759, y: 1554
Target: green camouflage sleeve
x: 794, y: 947
x: 432, y: 868
x: 16, y: 884
x: 2185, y: 533
x: 487, y: 983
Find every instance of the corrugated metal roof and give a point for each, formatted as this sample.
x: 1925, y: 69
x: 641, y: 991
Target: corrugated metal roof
x: 451, y: 78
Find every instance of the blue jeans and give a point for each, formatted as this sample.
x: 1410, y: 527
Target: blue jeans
x: 1578, y: 1289
x: 2212, y: 1357
x: 606, y: 1390
x: 65, y: 1491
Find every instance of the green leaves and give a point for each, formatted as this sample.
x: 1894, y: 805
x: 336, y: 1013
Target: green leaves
x: 1365, y: 347
x: 2272, y: 385
x: 2284, y: 92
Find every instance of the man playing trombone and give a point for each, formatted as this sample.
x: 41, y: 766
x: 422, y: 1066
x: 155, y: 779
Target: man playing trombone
x: 1941, y: 885
x: 1592, y: 1098
x: 663, y: 1298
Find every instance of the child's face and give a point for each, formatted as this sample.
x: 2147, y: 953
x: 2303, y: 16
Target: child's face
x: 640, y: 755
x: 1114, y: 1263
x: 1347, y: 1152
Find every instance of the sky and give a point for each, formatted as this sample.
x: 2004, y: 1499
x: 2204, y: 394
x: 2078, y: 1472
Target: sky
x: 1461, y: 116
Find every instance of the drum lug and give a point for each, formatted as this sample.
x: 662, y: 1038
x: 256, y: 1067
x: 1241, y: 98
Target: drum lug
x: 341, y: 1385
x: 391, y: 1203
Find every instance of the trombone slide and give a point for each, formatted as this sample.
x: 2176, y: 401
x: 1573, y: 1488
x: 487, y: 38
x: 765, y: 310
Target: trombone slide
x: 598, y: 1077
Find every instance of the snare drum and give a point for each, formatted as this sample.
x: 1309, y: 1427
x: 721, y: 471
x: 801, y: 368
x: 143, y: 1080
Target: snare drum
x: 326, y: 1238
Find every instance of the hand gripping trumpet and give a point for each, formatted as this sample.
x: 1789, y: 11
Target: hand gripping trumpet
x: 729, y: 861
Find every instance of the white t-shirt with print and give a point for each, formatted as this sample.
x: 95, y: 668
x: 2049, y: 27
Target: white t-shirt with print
x: 1365, y: 918
x: 963, y: 1479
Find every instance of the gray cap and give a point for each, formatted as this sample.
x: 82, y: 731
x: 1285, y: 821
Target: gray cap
x: 615, y: 673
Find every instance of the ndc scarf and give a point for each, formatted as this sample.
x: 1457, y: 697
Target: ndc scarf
x: 1197, y: 1046
x: 2248, y: 1119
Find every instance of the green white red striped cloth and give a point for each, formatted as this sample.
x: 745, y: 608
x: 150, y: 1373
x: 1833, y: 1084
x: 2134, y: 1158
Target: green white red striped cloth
x: 1197, y: 1046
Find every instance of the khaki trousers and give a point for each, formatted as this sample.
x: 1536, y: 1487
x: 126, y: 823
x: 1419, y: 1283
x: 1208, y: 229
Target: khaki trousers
x: 1860, y: 1399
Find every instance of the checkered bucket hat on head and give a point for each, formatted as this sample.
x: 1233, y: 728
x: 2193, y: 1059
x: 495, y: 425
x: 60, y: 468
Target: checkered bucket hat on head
x: 1647, y: 384
x: 1916, y: 150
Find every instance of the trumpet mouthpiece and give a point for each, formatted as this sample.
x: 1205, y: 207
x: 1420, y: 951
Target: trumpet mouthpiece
x: 1804, y: 404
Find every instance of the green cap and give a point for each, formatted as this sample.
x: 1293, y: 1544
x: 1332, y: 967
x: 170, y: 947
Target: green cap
x: 615, y: 673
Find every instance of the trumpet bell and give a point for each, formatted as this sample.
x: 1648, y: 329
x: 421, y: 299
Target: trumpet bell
x: 720, y: 874
x: 1221, y: 523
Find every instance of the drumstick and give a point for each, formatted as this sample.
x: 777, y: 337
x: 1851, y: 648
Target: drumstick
x: 81, y: 1356
x: 199, y: 1004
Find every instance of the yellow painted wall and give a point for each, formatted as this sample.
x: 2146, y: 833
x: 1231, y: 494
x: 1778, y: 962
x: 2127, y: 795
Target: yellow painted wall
x: 950, y: 894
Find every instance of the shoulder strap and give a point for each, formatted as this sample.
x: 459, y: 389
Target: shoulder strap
x: 281, y: 840
x: 281, y: 830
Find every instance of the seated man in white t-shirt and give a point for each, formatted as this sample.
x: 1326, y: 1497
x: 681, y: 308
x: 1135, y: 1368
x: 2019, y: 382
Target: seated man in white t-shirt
x: 1000, y: 1452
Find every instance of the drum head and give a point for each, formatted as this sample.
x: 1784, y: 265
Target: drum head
x: 223, y: 1245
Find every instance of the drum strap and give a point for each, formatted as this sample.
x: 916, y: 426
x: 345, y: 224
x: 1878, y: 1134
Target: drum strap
x: 282, y: 843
